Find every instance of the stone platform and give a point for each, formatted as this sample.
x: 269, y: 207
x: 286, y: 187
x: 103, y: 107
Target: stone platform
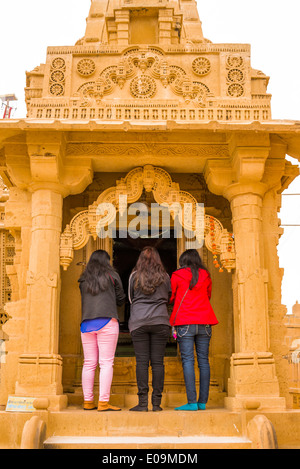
x: 214, y: 428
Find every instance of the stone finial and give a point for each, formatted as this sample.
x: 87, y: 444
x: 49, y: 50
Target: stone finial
x: 296, y: 309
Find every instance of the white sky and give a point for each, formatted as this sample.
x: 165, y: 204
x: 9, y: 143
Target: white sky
x: 28, y: 27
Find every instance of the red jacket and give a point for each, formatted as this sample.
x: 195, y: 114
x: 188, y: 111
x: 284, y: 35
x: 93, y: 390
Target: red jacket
x: 196, y: 307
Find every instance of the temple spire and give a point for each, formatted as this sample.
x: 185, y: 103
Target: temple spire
x: 125, y: 22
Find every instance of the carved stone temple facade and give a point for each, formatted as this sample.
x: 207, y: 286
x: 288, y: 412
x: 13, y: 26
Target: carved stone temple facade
x: 144, y: 106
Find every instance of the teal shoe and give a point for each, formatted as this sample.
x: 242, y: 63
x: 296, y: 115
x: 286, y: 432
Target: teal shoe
x: 201, y: 406
x: 188, y: 407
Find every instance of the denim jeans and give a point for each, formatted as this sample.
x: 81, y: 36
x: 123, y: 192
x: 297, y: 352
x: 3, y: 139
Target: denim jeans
x: 149, y: 344
x: 187, y: 336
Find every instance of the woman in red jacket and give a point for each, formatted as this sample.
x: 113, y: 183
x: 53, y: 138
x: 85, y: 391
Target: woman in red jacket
x: 193, y: 317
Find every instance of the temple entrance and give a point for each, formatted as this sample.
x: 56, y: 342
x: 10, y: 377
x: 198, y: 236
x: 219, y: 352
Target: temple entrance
x: 125, y: 255
x: 144, y: 185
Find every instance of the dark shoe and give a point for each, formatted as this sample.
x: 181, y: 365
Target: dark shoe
x: 139, y: 408
x: 156, y: 408
x: 156, y: 401
x: 143, y: 403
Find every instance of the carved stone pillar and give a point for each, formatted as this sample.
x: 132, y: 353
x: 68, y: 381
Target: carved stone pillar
x: 253, y: 382
x: 40, y: 366
x: 42, y: 174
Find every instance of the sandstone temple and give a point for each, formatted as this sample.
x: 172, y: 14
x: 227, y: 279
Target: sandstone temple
x: 144, y: 108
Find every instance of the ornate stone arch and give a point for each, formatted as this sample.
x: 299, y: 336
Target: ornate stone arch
x: 166, y: 193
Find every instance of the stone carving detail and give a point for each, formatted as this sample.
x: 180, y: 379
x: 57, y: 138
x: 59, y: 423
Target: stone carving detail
x: 133, y: 148
x: 201, y: 66
x: 86, y: 67
x: 50, y: 281
x: 67, y: 246
x: 57, y: 77
x: 235, y: 76
x: 56, y: 89
x: 3, y: 317
x: 143, y: 87
x: 79, y: 231
x: 145, y: 68
x: 235, y: 61
x: 235, y: 90
x: 166, y: 193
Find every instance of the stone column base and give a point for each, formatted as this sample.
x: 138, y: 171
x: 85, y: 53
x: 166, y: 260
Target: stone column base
x: 253, y: 382
x: 236, y: 404
x: 40, y: 375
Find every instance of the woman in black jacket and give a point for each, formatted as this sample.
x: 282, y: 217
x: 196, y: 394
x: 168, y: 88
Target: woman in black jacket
x: 101, y: 292
x: 149, y: 325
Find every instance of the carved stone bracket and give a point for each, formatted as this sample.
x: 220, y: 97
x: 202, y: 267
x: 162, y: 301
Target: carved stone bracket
x: 167, y: 194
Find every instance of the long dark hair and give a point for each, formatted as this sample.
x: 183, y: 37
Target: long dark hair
x: 150, y: 272
x: 191, y: 258
x: 97, y: 272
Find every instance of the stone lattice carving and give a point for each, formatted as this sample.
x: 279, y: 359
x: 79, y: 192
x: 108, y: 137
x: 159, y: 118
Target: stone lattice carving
x: 57, y: 77
x: 143, y: 87
x: 166, y: 193
x: 235, y: 90
x: 7, y: 251
x: 58, y: 63
x: 3, y: 317
x: 201, y: 66
x: 235, y: 76
x: 235, y: 61
x: 86, y: 67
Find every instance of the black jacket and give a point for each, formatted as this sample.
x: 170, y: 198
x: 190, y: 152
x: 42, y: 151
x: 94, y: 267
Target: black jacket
x: 104, y: 304
x: 148, y: 309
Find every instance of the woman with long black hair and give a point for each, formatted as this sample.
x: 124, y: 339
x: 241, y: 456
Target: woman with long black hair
x: 193, y: 317
x: 101, y: 292
x: 149, y: 291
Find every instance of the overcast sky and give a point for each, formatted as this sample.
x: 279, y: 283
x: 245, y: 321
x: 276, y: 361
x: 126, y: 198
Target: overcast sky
x: 27, y: 27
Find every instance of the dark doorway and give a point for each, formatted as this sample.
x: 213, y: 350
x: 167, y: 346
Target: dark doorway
x: 125, y: 255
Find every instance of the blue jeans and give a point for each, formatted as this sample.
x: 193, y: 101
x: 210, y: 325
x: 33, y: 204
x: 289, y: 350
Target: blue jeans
x: 187, y: 336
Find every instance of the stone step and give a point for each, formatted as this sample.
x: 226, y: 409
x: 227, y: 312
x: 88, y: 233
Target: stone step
x: 151, y: 442
x: 75, y: 428
x: 211, y: 423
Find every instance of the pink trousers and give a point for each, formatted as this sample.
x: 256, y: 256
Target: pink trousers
x: 99, y: 347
